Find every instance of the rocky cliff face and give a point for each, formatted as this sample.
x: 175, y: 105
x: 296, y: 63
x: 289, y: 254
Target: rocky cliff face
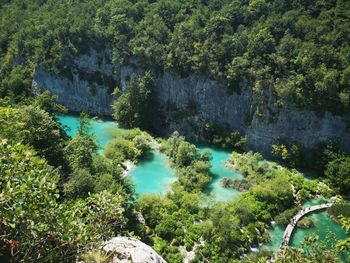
x: 188, y: 103
x: 295, y: 126
x: 191, y: 102
x: 88, y: 85
x: 76, y: 94
x: 216, y: 105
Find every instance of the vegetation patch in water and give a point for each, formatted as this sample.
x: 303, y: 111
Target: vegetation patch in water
x: 239, y: 184
x: 305, y: 222
x: 131, y: 145
x: 192, y: 167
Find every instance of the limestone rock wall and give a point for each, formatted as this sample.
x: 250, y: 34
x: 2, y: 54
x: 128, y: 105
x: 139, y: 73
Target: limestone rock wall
x: 209, y: 99
x: 188, y: 103
x: 87, y: 85
x: 295, y: 126
x: 76, y: 94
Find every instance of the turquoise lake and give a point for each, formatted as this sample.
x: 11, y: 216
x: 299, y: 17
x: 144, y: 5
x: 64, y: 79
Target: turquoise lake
x: 219, y: 171
x: 151, y: 175
x: 154, y: 175
x: 101, y: 128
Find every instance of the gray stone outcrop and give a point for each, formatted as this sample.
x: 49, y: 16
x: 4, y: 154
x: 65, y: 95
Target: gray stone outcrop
x: 131, y: 250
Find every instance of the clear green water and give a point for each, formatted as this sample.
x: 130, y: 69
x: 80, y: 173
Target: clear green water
x: 219, y: 171
x: 158, y: 175
x: 153, y: 174
x: 103, y: 129
x: 324, y: 227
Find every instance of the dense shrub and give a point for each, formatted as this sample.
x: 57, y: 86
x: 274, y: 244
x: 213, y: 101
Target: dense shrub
x: 34, y: 226
x: 339, y: 209
x: 338, y: 173
x: 223, y: 137
x: 239, y: 184
x: 191, y: 166
x: 128, y: 145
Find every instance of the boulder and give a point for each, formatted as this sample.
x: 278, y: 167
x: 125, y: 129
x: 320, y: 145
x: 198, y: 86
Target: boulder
x: 131, y: 250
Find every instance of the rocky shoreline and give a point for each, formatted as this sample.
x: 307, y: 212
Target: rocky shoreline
x: 129, y: 165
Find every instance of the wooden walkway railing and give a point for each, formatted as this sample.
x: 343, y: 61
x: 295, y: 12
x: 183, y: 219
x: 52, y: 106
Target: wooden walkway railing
x: 289, y: 230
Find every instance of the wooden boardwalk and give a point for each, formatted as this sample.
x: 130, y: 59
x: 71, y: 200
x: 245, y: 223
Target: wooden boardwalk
x: 289, y: 230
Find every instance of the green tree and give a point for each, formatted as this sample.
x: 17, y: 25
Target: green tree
x: 35, y: 227
x: 35, y: 127
x: 80, y: 184
x: 107, y: 182
x: 338, y: 172
x: 166, y: 228
x: 84, y: 124
x: 121, y: 150
x: 48, y: 102
x: 152, y: 208
x: 141, y: 143
x: 133, y: 108
x: 344, y: 245
x: 315, y: 252
x: 195, y: 177
x: 186, y: 154
x: 17, y: 84
x: 44, y: 133
x: 81, y: 149
x: 11, y: 124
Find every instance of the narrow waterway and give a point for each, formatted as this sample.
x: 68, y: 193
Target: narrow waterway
x: 327, y: 230
x: 218, y: 172
x: 154, y: 175
x: 101, y: 128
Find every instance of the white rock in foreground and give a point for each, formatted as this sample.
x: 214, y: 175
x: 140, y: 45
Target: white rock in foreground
x: 127, y: 250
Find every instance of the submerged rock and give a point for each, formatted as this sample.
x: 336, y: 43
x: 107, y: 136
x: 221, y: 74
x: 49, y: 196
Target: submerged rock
x: 131, y: 250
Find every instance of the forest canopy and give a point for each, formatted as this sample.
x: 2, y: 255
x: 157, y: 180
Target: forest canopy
x: 61, y: 197
x: 298, y: 49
